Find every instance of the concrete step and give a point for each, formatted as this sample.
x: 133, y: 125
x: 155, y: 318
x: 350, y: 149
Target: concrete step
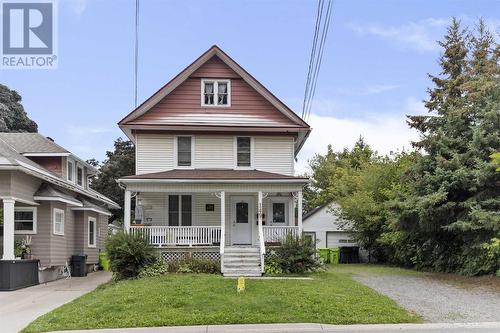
x: 249, y: 274
x: 241, y: 250
x: 238, y: 261
x: 246, y: 271
x: 241, y: 265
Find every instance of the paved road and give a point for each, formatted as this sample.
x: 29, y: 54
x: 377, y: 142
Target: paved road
x: 19, y: 308
x: 313, y: 328
x: 435, y: 300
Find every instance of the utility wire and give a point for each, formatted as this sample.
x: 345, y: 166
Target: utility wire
x: 136, y: 56
x: 317, y: 52
x: 319, y: 15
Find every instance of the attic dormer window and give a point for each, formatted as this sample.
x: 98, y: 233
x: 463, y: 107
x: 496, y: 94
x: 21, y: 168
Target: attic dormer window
x: 215, y: 92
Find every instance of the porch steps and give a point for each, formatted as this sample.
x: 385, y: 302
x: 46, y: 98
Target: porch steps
x: 242, y: 261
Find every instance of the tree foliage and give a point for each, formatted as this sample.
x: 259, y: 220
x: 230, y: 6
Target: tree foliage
x: 439, y: 207
x: 13, y: 118
x: 118, y: 163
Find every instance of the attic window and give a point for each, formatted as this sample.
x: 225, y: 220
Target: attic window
x: 215, y: 92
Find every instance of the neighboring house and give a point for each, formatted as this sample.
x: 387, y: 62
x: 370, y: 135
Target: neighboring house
x: 215, y: 165
x: 45, y: 195
x: 323, y: 226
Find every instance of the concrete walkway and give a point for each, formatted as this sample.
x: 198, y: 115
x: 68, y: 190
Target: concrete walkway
x: 312, y: 328
x: 19, y: 308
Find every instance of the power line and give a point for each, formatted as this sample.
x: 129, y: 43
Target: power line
x: 319, y: 15
x: 316, y: 57
x: 136, y: 56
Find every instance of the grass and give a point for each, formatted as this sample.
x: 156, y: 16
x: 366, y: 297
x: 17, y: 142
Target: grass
x: 331, y: 297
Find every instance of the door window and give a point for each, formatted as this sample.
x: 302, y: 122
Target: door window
x: 242, y: 212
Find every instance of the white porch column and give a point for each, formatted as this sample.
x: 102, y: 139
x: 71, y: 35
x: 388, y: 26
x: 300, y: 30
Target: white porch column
x: 8, y: 229
x: 222, y: 220
x: 299, y: 208
x: 126, y: 211
x: 259, y: 207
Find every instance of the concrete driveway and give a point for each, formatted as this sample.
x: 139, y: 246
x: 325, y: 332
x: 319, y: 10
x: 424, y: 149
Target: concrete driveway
x: 19, y: 308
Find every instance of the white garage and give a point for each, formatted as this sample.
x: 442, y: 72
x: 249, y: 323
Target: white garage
x: 339, y: 238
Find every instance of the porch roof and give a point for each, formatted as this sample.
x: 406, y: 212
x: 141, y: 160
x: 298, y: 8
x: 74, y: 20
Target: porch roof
x: 214, y: 175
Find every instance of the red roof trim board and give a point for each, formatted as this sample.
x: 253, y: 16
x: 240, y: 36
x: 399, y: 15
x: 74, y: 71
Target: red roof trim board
x: 215, y: 175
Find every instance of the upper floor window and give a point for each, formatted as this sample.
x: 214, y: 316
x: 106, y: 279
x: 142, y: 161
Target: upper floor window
x: 184, y: 150
x: 79, y: 176
x: 70, y: 171
x: 243, y: 151
x: 216, y: 92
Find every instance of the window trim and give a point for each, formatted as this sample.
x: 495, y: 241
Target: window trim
x: 76, y: 176
x: 90, y: 220
x: 26, y: 232
x: 283, y: 200
x: 216, y: 93
x: 72, y: 180
x: 54, y: 214
x: 176, y: 152
x: 179, y: 209
x: 252, y: 152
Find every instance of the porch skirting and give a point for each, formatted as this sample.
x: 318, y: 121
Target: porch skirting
x: 170, y: 254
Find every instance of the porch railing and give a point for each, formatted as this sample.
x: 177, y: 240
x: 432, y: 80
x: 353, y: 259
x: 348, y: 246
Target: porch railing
x: 187, y: 236
x: 277, y: 234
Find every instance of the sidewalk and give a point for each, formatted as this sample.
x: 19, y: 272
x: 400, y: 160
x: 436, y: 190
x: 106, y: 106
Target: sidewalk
x: 20, y: 307
x: 312, y: 328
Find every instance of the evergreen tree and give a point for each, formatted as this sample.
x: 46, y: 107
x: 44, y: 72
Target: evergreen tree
x: 13, y: 118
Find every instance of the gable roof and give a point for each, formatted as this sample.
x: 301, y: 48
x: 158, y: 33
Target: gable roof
x: 25, y: 143
x: 298, y: 124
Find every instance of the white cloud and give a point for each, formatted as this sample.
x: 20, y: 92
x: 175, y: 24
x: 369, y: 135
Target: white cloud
x: 78, y: 6
x: 89, y: 142
x: 420, y: 35
x: 385, y: 133
x: 374, y: 89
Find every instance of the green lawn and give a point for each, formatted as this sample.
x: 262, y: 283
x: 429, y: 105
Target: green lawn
x: 331, y: 297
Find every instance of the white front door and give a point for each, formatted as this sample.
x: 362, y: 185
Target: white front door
x: 242, y: 220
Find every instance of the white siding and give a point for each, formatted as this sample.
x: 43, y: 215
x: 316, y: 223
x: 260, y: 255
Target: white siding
x: 214, y: 151
x: 155, y: 152
x: 274, y: 154
x: 322, y: 222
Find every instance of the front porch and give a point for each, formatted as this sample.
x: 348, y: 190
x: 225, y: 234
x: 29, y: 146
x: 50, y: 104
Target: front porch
x: 215, y: 217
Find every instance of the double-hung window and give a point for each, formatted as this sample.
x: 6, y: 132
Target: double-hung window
x: 79, y: 176
x: 58, y: 221
x: 243, y: 151
x: 279, y: 212
x: 25, y: 220
x: 70, y: 172
x: 92, y: 232
x: 184, y: 151
x: 180, y: 210
x: 215, y: 92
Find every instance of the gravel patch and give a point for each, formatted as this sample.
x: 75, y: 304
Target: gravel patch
x: 435, y: 300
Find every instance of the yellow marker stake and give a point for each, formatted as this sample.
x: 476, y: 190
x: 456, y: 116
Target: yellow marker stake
x: 241, y: 284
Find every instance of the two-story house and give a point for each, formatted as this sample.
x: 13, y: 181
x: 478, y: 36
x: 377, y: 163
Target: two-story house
x: 46, y: 198
x: 215, y: 155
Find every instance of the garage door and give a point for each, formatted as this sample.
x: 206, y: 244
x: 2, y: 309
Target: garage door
x: 339, y: 238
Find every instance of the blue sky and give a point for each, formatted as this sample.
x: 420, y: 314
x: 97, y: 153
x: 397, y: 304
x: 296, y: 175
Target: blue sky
x: 374, y: 70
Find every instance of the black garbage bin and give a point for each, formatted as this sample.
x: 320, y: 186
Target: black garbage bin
x: 79, y: 265
x: 349, y: 255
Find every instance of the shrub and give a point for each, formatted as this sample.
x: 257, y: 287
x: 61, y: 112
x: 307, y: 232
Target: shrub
x: 194, y: 265
x: 128, y: 253
x: 272, y: 265
x: 295, y: 255
x: 157, y: 268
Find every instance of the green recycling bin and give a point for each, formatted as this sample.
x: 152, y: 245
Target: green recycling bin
x: 333, y: 254
x: 104, y: 261
x: 323, y: 254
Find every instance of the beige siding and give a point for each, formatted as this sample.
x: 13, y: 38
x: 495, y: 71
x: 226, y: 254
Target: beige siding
x: 214, y: 151
x: 41, y: 241
x: 274, y: 154
x: 155, y: 152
